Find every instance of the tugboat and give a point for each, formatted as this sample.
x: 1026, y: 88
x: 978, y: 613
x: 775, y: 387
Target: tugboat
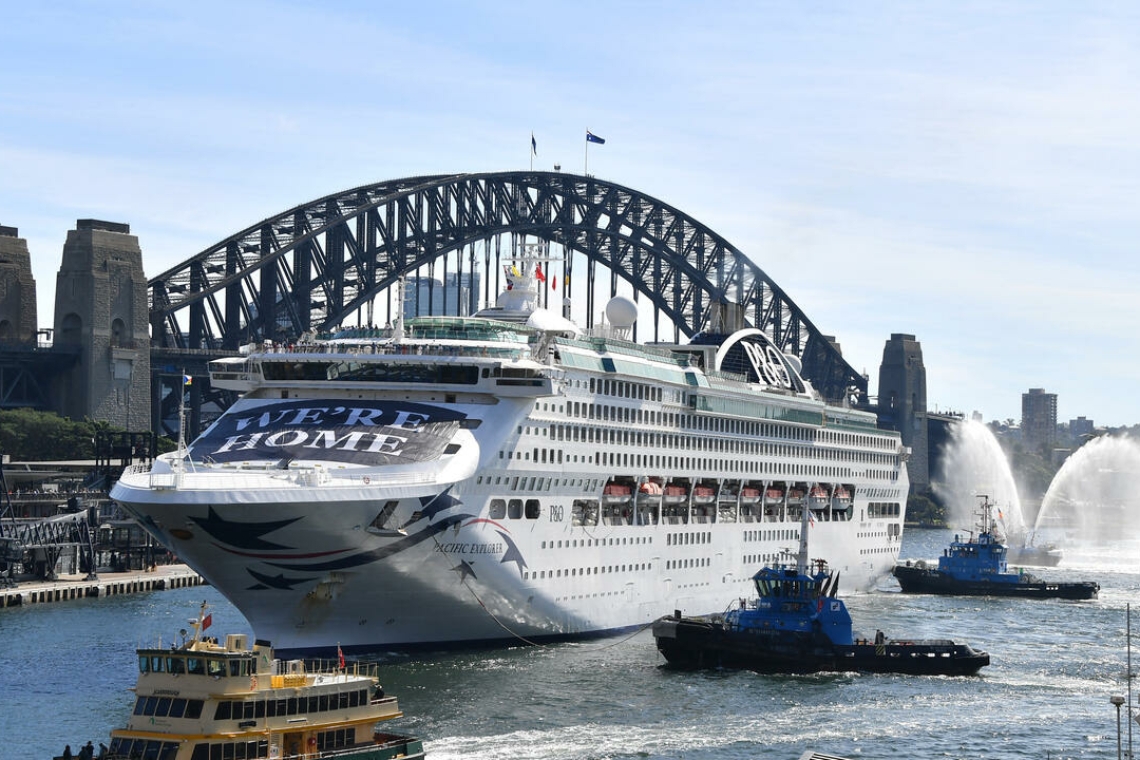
x: 1023, y: 551
x: 201, y: 700
x: 797, y: 625
x: 979, y: 567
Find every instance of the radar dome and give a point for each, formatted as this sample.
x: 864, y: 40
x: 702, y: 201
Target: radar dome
x: 621, y: 312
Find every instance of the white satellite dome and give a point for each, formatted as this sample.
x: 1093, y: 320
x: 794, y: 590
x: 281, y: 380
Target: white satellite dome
x: 621, y: 312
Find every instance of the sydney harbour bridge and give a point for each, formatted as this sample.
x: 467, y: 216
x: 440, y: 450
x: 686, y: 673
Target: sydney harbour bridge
x: 337, y: 259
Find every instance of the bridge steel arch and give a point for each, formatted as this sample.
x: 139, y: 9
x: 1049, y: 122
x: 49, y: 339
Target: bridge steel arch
x: 312, y: 266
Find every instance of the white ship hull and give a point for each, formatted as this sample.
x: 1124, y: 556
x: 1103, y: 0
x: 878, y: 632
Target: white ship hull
x: 296, y: 552
x: 446, y: 492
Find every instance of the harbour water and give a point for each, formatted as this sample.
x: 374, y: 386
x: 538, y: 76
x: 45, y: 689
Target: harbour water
x: 66, y: 670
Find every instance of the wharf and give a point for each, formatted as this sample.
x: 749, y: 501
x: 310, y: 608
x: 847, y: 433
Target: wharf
x: 78, y: 586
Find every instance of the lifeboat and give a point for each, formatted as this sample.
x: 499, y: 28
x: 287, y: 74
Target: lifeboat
x: 842, y: 497
x: 703, y: 495
x: 795, y: 496
x: 773, y: 496
x: 675, y: 494
x: 616, y: 493
x: 749, y: 495
x: 649, y: 493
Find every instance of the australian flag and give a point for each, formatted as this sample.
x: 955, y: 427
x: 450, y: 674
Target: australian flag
x: 591, y: 137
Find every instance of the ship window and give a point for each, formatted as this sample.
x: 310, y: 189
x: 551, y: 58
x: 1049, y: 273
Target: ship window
x: 140, y: 703
x: 194, y: 709
x: 533, y: 509
x: 177, y: 708
x: 215, y: 667
x: 514, y: 509
x: 175, y: 665
x: 224, y: 710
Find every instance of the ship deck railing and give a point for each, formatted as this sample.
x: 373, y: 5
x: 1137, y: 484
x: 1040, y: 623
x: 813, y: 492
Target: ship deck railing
x: 205, y: 477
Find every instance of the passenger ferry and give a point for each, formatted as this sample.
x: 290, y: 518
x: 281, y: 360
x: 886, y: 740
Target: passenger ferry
x: 510, y: 477
x: 204, y: 700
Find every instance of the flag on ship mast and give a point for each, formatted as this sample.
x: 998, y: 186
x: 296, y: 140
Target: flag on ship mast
x: 339, y: 657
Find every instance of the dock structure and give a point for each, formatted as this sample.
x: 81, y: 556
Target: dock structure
x: 80, y: 586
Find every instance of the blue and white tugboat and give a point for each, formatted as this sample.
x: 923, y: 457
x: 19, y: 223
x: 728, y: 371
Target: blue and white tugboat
x: 979, y: 567
x: 797, y: 625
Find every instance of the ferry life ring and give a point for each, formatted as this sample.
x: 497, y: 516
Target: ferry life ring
x: 366, y: 480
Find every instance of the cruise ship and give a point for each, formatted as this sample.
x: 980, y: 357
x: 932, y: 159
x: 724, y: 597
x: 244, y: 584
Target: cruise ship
x: 508, y: 476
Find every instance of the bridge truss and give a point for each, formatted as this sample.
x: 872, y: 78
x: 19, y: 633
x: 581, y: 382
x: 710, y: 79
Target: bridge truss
x: 333, y: 259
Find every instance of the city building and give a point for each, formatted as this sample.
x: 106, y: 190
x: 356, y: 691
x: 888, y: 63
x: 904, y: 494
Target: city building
x: 1039, y: 418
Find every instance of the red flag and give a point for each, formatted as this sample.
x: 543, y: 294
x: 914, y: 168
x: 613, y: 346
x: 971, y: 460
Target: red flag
x: 339, y: 656
x: 554, y: 283
x: 206, y: 621
x: 538, y: 273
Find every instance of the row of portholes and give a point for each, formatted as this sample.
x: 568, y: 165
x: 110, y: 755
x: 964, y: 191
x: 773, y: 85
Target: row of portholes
x: 581, y: 571
x: 685, y: 539
x: 588, y: 542
x: 771, y: 535
x: 753, y: 559
x: 686, y: 564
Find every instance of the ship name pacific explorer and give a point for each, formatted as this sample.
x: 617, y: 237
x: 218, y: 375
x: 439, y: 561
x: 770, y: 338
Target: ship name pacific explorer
x: 508, y: 476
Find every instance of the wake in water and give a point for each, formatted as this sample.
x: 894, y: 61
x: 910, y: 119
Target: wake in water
x: 973, y: 463
x: 1093, y: 503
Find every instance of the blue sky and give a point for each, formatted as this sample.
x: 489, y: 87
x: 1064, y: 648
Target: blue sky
x: 965, y: 172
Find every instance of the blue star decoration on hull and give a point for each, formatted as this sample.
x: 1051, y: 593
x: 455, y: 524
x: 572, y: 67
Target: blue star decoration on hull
x: 512, y: 554
x: 465, y: 571
x: 243, y: 535
x: 430, y: 506
x: 278, y: 581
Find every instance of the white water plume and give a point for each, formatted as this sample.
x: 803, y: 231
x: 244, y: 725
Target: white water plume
x: 973, y: 464
x: 1094, y: 500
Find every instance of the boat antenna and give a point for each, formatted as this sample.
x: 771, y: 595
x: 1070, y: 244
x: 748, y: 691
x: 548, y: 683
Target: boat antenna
x: 199, y: 624
x: 179, y: 461
x: 802, y: 557
x: 401, y: 297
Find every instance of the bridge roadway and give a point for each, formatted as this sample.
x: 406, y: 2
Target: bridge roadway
x: 28, y: 372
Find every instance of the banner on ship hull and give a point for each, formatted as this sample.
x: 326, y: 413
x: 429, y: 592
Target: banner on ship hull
x: 360, y: 432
